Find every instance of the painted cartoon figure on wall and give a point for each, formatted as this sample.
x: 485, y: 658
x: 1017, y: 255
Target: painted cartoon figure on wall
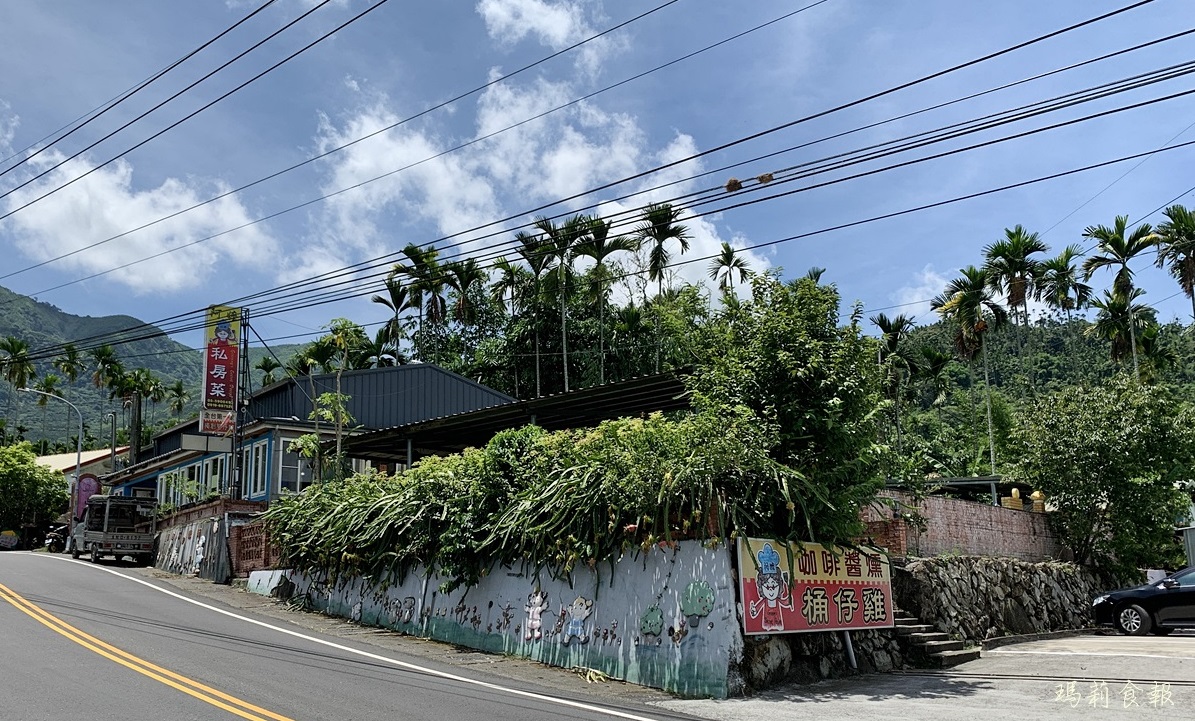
x: 537, y: 603
x: 578, y: 611
x: 774, y: 592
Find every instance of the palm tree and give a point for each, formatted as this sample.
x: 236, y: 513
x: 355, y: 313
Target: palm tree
x: 71, y: 365
x: 1118, y: 247
x: 48, y: 384
x: 562, y: 240
x: 1013, y: 272
x: 931, y: 369
x: 537, y: 254
x: 599, y: 246
x: 105, y: 366
x: 267, y: 365
x: 1176, y: 249
x: 1059, y: 285
x: 1115, y: 320
x: 425, y: 286
x: 397, y: 299
x: 723, y: 268
x: 177, y: 398
x: 18, y: 367
x: 462, y: 276
x: 968, y: 303
x: 815, y: 274
x: 893, y: 355
x: 381, y: 352
x: 504, y: 291
x: 657, y: 226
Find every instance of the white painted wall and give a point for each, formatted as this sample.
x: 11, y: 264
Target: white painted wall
x: 663, y: 618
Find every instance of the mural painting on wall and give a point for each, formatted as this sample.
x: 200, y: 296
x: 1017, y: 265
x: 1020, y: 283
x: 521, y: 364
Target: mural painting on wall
x: 537, y: 603
x: 810, y: 587
x: 578, y: 611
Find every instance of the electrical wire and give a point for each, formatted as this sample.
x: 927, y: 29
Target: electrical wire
x: 43, y: 354
x: 334, y: 296
x: 363, y: 264
x: 188, y: 116
x: 938, y: 74
x: 503, y: 221
x: 123, y: 97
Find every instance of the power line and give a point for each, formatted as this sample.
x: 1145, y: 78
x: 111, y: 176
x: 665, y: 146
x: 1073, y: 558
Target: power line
x: 641, y: 174
x: 308, y: 160
x: 905, y: 85
x: 624, y: 197
x: 47, y: 353
x: 123, y: 97
x: 333, y: 296
x: 193, y: 113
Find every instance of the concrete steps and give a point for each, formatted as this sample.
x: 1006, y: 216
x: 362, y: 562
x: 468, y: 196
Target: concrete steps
x: 928, y: 647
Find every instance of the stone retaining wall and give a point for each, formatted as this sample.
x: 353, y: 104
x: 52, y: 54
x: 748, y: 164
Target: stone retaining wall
x: 981, y: 597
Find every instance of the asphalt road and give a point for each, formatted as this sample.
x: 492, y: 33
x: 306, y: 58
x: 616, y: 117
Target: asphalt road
x: 79, y: 641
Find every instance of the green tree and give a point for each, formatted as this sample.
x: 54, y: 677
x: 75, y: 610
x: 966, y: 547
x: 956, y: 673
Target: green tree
x: 813, y: 383
x: 536, y: 252
x: 177, y: 398
x: 724, y: 267
x: 657, y: 227
x: 1123, y: 323
x: 1176, y: 249
x: 599, y: 246
x: 897, y: 361
x: 1111, y: 460
x: 1117, y: 247
x: 971, y: 308
x: 29, y: 492
x: 1014, y: 272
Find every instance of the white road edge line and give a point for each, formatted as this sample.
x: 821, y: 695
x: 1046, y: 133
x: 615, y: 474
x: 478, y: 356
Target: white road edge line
x: 372, y: 656
x: 1091, y: 653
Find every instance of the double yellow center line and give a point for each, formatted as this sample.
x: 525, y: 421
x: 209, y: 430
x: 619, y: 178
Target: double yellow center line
x: 176, y: 681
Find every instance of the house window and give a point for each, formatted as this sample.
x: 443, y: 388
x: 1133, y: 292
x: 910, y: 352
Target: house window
x: 294, y: 472
x: 213, y: 476
x: 259, y: 468
x: 247, y: 477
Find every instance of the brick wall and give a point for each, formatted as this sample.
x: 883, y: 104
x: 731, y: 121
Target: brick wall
x: 251, y: 550
x: 962, y: 527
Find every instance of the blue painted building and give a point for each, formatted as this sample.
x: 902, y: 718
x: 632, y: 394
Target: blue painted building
x: 183, y: 466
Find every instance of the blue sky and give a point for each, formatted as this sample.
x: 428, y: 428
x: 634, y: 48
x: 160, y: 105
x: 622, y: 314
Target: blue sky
x: 65, y: 58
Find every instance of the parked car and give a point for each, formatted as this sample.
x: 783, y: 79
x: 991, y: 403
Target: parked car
x: 1158, y: 607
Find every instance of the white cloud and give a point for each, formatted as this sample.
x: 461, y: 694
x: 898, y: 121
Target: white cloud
x: 561, y: 155
x: 555, y: 25
x: 914, y: 298
x: 106, y: 203
x: 8, y: 129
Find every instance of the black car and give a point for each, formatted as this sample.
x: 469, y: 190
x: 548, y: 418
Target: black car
x: 1158, y: 607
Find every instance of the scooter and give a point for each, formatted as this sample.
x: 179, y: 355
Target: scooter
x: 56, y: 539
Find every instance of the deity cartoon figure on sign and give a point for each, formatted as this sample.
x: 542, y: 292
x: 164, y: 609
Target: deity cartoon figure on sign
x: 222, y: 335
x: 772, y: 586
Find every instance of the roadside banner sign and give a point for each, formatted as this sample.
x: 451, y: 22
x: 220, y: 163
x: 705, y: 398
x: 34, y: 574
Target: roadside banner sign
x: 88, y: 486
x: 221, y: 366
x: 790, y: 588
x: 217, y: 422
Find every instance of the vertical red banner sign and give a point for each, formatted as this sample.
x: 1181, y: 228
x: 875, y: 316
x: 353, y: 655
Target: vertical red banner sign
x: 786, y: 588
x: 221, y: 368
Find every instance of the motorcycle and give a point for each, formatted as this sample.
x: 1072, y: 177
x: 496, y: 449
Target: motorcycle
x: 56, y: 539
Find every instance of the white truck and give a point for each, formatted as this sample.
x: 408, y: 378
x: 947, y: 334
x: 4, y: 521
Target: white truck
x: 116, y: 526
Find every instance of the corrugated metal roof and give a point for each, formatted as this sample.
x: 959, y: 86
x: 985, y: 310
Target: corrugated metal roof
x: 576, y: 409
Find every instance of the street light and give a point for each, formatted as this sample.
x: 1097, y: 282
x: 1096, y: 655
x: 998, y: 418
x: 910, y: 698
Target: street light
x: 78, y: 449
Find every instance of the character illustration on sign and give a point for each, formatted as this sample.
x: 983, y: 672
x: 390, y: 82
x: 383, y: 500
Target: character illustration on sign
x: 537, y: 603
x: 223, y: 335
x: 774, y: 593
x: 578, y: 611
